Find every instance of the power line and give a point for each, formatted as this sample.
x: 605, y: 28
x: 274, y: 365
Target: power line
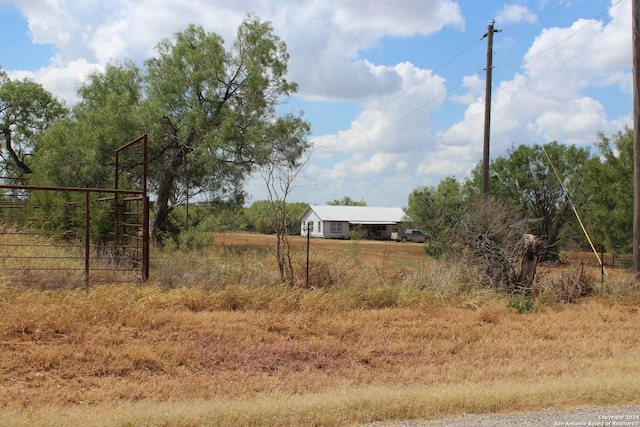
x: 537, y: 18
x: 432, y: 72
x: 589, y: 23
x: 431, y: 101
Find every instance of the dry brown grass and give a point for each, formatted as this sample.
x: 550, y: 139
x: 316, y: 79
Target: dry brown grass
x: 392, y: 336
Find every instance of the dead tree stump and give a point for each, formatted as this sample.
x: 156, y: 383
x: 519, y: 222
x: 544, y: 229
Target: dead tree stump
x: 529, y: 262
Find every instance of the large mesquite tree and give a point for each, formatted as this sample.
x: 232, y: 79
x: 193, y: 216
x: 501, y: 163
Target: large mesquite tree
x: 210, y: 112
x: 213, y: 111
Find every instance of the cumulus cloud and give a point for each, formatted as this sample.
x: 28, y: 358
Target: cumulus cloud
x: 396, y: 122
x: 382, y: 16
x: 62, y: 80
x: 515, y: 13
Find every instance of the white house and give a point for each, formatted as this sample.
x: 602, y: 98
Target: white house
x: 336, y: 222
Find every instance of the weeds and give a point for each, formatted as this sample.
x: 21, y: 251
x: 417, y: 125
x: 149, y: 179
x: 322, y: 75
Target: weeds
x: 523, y: 303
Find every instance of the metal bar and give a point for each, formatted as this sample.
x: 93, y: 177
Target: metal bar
x: 126, y: 256
x: 131, y: 199
x: 145, y: 164
x: 87, y: 236
x: 38, y: 257
x: 72, y: 189
x: 132, y: 142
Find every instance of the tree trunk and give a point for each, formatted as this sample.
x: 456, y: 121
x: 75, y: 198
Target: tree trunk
x: 18, y: 163
x: 163, y: 209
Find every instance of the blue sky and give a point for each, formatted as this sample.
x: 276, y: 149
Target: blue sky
x: 394, y: 90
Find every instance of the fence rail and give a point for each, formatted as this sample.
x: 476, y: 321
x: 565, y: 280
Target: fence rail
x: 72, y: 236
x: 622, y: 261
x: 75, y: 236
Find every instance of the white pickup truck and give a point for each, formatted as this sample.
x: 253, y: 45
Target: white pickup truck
x: 410, y: 235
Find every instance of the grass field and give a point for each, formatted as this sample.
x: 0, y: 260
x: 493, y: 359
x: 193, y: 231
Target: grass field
x: 382, y: 333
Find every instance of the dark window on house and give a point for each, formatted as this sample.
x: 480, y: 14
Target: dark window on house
x: 336, y: 227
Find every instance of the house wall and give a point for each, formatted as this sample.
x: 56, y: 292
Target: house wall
x: 311, y: 218
x: 323, y: 228
x: 336, y: 229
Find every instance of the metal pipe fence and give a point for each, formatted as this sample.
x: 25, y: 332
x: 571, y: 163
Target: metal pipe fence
x: 72, y: 236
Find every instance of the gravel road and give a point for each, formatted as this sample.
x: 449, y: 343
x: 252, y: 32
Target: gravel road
x: 592, y: 416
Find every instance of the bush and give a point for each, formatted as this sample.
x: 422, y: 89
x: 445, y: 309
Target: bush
x: 567, y: 286
x: 489, y: 240
x: 523, y: 303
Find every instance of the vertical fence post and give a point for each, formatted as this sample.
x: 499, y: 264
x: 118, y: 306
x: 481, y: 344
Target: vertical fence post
x: 145, y: 238
x: 602, y: 261
x: 87, y: 236
x: 308, y: 237
x: 145, y: 215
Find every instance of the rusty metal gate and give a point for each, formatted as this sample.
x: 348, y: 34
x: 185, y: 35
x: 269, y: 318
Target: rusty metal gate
x: 61, y: 236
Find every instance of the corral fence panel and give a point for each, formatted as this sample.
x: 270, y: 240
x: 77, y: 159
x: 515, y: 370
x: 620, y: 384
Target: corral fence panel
x: 622, y: 261
x: 73, y: 237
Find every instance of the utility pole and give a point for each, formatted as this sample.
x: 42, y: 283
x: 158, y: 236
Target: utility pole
x: 635, y: 18
x: 487, y: 110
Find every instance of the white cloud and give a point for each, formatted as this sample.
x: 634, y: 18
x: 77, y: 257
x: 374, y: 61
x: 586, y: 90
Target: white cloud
x: 575, y: 122
x: 61, y: 80
x: 396, y: 122
x: 375, y: 164
x: 514, y: 13
x: 383, y: 17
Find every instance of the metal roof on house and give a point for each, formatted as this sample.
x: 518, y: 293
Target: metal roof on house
x: 358, y: 214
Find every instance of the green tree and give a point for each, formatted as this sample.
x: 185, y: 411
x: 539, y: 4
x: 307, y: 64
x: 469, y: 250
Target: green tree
x: 214, y: 111
x: 526, y: 179
x: 347, y: 201
x: 256, y: 217
x: 609, y: 184
x: 436, y: 209
x: 27, y: 110
x: 79, y: 150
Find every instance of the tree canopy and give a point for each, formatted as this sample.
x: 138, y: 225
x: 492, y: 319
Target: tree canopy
x: 544, y: 183
x: 214, y: 110
x: 538, y: 181
x: 27, y: 110
x: 609, y: 185
x: 79, y: 150
x: 210, y: 112
x: 436, y: 209
x: 347, y: 201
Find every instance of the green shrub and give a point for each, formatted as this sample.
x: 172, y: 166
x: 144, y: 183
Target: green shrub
x: 522, y: 303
